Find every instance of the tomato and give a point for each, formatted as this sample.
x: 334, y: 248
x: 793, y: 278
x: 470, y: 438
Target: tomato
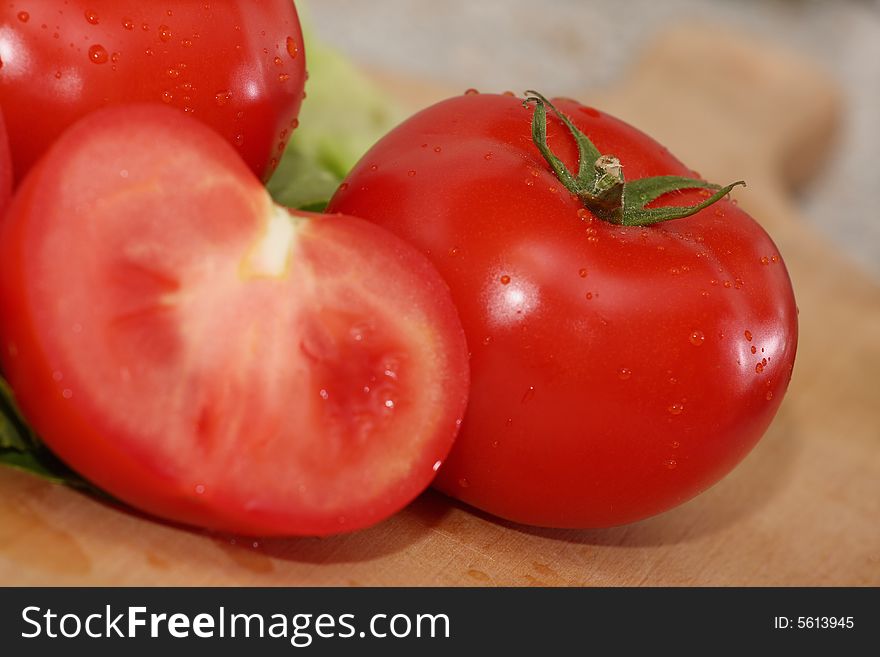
x: 5, y: 167
x: 617, y: 371
x: 238, y: 66
x: 210, y: 357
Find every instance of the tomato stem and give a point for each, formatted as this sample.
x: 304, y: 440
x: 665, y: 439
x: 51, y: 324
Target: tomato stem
x: 601, y: 185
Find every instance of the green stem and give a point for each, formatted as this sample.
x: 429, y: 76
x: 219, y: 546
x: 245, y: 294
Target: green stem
x: 600, y: 183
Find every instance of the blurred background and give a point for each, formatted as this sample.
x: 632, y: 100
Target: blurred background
x: 567, y: 47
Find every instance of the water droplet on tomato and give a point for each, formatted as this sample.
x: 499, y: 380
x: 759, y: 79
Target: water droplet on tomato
x: 759, y: 368
x: 238, y: 139
x: 343, y: 187
x: 697, y: 338
x: 528, y: 395
x: 769, y: 395
x: 360, y: 331
x: 23, y: 16
x: 200, y: 489
x: 67, y: 393
x: 748, y: 335
x: 471, y: 92
x: 323, y: 394
x: 57, y: 376
x: 411, y: 173
x: 389, y: 404
x: 589, y: 295
x: 487, y: 156
x: 91, y: 17
x: 487, y: 341
x: 292, y: 48
x: 128, y: 24
x: 463, y: 482
x: 671, y: 464
x: 582, y: 273
x: 374, y: 167
x: 624, y: 373
x: 222, y: 97
x: 164, y: 33
x: 283, y: 77
x: 727, y: 284
x: 505, y: 279
x: 675, y: 444
x: 173, y: 73
x: 278, y: 61
x: 98, y: 54
x: 167, y: 96
x: 436, y: 465
x: 676, y: 409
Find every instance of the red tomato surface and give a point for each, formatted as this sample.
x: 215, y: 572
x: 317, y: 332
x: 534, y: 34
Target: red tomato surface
x: 5, y: 167
x: 237, y: 65
x: 616, y: 371
x: 212, y: 358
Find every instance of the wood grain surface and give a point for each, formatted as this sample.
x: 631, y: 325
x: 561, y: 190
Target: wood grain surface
x: 802, y: 509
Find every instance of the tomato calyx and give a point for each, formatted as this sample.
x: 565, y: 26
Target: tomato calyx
x: 601, y: 185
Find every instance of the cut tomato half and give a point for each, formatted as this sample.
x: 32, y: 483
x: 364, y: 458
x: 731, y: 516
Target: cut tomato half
x: 212, y: 358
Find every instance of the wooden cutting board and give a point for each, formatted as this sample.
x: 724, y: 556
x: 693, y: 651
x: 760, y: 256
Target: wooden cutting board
x: 802, y: 509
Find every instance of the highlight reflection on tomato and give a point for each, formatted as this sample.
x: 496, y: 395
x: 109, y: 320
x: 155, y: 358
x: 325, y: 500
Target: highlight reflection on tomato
x: 237, y: 66
x: 616, y: 370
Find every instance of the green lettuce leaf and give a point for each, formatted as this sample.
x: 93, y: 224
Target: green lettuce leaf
x: 342, y: 116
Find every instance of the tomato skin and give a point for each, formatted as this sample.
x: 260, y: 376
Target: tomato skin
x: 237, y: 66
x: 616, y: 371
x: 5, y: 167
x: 153, y: 355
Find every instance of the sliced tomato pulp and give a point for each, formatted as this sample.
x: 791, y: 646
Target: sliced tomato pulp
x: 212, y: 358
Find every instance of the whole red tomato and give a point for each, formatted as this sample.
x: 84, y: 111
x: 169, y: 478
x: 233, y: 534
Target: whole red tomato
x: 210, y: 357
x: 5, y: 167
x: 617, y: 370
x: 236, y: 65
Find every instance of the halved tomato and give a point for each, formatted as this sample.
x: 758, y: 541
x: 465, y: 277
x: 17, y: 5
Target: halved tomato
x: 210, y: 357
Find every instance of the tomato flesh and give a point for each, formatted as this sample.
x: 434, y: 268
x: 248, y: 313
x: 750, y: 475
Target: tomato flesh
x: 616, y: 371
x: 215, y: 359
x: 237, y: 66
